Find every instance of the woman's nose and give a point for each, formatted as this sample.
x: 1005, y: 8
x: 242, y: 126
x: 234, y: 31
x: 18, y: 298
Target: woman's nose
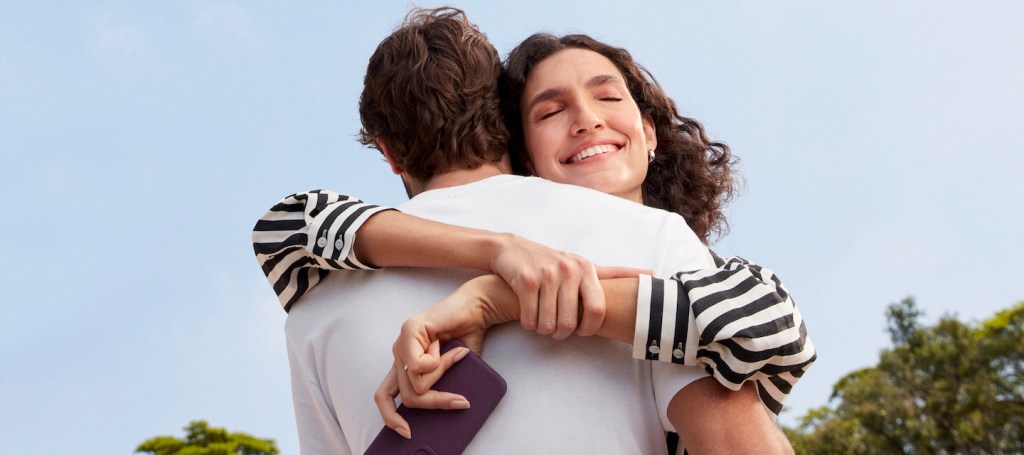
x: 587, y: 119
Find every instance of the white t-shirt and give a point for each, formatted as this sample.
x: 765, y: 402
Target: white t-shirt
x: 580, y: 395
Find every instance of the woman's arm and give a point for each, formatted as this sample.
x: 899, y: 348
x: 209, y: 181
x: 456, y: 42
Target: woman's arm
x: 308, y: 234
x: 736, y: 321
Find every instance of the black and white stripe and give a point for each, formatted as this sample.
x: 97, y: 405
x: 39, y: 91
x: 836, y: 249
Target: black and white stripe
x: 304, y: 236
x: 741, y: 324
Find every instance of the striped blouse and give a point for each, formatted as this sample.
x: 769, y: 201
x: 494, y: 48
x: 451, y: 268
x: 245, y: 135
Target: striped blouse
x: 737, y: 321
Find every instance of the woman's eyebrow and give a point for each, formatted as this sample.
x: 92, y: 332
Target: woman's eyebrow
x: 543, y: 96
x: 602, y: 79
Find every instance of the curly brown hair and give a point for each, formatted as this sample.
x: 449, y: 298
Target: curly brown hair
x: 690, y: 175
x: 431, y: 95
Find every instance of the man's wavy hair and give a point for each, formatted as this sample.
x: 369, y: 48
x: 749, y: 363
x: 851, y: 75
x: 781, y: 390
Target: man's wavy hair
x: 691, y: 175
x: 430, y: 95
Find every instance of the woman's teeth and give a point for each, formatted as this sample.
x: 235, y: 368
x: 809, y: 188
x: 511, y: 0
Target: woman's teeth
x: 591, y: 151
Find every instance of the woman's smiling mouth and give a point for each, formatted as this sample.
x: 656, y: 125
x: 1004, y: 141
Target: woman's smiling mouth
x: 592, y: 151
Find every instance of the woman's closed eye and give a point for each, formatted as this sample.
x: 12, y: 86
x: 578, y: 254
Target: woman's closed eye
x: 550, y: 114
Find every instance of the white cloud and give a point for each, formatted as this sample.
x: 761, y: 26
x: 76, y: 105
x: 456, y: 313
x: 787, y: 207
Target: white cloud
x: 229, y: 19
x: 120, y: 39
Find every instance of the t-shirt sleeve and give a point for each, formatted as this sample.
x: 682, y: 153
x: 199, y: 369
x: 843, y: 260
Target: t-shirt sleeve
x: 668, y: 380
x: 304, y: 236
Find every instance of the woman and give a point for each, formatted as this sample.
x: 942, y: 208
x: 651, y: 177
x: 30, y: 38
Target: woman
x: 584, y: 113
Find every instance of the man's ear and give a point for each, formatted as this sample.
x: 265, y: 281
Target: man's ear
x: 390, y: 158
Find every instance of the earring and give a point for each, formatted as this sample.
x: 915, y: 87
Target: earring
x: 650, y: 156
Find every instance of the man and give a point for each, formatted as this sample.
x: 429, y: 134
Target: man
x: 581, y: 395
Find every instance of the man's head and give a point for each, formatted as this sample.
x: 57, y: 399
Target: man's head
x: 430, y: 97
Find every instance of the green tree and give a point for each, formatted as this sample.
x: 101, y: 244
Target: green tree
x: 202, y: 439
x: 951, y: 388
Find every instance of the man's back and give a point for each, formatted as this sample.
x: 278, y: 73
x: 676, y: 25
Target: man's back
x: 581, y: 395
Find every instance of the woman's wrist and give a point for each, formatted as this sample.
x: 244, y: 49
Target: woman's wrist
x: 494, y: 245
x: 498, y: 302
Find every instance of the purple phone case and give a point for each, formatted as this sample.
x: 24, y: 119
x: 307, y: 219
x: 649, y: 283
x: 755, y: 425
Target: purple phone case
x: 447, y: 432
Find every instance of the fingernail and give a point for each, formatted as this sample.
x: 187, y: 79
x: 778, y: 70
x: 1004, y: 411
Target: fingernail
x: 462, y: 354
x: 460, y: 404
x: 404, y: 432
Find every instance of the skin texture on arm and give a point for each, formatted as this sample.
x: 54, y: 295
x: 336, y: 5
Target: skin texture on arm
x: 620, y: 314
x: 394, y: 238
x: 550, y: 285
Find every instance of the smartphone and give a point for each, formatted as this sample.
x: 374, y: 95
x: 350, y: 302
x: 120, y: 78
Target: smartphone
x: 447, y: 432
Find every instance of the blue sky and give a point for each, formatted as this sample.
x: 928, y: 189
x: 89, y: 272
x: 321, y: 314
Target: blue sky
x: 140, y: 141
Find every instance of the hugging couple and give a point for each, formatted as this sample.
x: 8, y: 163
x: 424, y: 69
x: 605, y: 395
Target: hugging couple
x: 522, y: 177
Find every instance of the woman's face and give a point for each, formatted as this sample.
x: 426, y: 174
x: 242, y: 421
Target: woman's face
x: 582, y: 126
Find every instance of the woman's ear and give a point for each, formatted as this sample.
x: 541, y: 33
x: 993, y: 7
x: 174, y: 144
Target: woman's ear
x: 650, y: 133
x: 390, y: 158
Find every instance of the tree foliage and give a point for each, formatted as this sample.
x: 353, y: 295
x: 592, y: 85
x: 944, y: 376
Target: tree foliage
x: 202, y: 439
x: 951, y: 388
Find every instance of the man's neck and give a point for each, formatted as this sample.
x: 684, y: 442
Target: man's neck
x: 464, y: 176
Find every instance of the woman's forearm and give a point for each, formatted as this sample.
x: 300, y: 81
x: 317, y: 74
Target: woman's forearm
x: 306, y: 235
x: 393, y: 239
x: 736, y: 321
x: 620, y: 316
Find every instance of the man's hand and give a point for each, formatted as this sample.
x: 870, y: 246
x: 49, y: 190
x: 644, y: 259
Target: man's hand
x: 558, y: 292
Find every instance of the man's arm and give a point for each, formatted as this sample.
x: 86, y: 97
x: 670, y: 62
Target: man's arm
x: 710, y: 418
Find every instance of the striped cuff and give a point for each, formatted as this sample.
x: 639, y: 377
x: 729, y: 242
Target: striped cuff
x: 665, y: 327
x: 332, y: 234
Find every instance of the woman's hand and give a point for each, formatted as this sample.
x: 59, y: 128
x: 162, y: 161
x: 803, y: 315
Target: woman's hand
x: 558, y: 292
x: 466, y: 314
x: 397, y: 383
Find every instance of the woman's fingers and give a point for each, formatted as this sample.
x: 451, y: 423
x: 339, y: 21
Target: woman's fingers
x: 547, y: 304
x: 420, y: 378
x: 431, y: 399
x: 568, y: 307
x: 527, y: 288
x: 422, y: 382
x: 567, y: 297
x: 413, y: 347
x: 385, y: 400
x: 397, y: 382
